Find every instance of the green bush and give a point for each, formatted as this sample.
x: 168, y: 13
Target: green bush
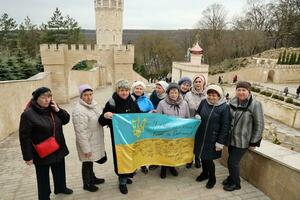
x: 275, y: 96
x: 254, y: 89
x: 296, y: 104
x: 289, y: 100
x: 268, y: 94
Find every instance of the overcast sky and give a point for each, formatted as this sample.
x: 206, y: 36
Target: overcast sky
x: 138, y: 14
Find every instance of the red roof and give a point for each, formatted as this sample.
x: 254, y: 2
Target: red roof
x: 196, y: 49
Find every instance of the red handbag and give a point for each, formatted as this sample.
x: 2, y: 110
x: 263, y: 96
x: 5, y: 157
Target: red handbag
x: 49, y: 145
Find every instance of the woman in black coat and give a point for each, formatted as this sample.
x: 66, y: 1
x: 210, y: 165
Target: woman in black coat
x: 120, y: 102
x: 212, y: 133
x: 41, y: 119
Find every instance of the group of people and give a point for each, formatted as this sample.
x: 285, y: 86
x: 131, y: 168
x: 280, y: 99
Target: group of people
x: 238, y: 124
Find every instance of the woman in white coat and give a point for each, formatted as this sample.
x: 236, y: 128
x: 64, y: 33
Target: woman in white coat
x: 89, y: 136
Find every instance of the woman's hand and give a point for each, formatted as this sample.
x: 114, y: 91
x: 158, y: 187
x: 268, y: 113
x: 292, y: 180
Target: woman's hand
x: 29, y: 163
x: 154, y: 111
x: 54, y: 106
x: 218, y: 149
x: 108, y: 115
x: 252, y: 148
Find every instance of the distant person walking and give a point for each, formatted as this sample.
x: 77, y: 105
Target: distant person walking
x: 298, y: 91
x: 286, y: 91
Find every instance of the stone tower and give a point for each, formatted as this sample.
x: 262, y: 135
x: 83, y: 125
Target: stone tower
x: 109, y: 21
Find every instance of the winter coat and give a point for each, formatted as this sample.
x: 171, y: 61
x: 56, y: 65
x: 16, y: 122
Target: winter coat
x: 144, y: 104
x: 89, y: 133
x: 179, y: 109
x: 155, y: 99
x: 193, y: 101
x: 117, y: 105
x: 247, y: 123
x: 213, y: 130
x: 36, y: 126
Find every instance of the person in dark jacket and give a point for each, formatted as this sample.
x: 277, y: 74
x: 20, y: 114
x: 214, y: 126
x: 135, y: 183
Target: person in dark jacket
x: 120, y: 102
x: 185, y: 84
x: 159, y: 93
x: 41, y: 120
x: 246, y: 130
x: 212, y: 132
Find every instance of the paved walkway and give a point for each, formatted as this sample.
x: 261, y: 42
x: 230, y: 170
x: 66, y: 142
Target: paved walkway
x: 17, y: 181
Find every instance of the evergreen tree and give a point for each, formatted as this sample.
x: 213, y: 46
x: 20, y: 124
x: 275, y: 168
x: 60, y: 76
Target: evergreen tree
x: 279, y: 59
x: 284, y: 57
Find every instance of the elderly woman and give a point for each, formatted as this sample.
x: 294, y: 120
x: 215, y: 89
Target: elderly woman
x: 144, y: 104
x: 247, y: 126
x: 173, y: 105
x: 193, y: 98
x: 159, y: 93
x: 185, y: 84
x: 41, y: 120
x: 120, y: 102
x: 212, y: 132
x: 89, y: 136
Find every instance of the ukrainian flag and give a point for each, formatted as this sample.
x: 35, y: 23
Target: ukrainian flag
x: 152, y: 139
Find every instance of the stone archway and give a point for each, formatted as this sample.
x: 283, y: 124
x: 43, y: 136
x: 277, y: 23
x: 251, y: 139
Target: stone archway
x: 271, y: 76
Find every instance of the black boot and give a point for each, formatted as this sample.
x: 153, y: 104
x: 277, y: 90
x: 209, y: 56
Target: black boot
x: 211, y: 182
x: 129, y: 181
x: 144, y: 169
x: 123, y: 189
x: 153, y: 167
x: 202, y: 177
x: 173, y: 171
x: 231, y: 187
x: 90, y: 187
x: 189, y: 165
x: 227, y: 181
x: 65, y: 191
x: 97, y: 181
x: 163, y: 172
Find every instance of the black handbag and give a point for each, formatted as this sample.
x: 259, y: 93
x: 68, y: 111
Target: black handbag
x: 102, y: 160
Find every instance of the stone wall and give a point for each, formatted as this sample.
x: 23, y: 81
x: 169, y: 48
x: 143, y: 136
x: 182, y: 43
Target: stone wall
x: 78, y: 78
x: 283, y: 112
x: 180, y: 70
x: 15, y: 96
x: 273, y: 169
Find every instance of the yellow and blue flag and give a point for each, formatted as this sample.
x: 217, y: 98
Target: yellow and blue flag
x: 152, y: 139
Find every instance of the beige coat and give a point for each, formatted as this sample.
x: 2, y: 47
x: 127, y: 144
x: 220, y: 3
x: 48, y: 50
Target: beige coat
x: 89, y: 133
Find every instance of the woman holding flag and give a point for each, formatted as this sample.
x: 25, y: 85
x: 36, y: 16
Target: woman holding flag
x: 120, y: 102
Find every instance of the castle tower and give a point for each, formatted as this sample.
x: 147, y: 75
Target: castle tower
x: 109, y: 21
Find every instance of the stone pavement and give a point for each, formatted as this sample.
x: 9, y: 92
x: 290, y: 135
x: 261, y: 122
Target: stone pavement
x: 17, y: 181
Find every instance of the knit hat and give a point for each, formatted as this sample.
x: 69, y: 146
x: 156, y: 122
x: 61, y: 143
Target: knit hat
x: 138, y: 83
x: 216, y: 88
x: 243, y: 84
x: 185, y: 80
x: 203, y: 79
x: 84, y: 88
x: 172, y: 86
x: 38, y: 92
x: 163, y: 84
x: 123, y: 84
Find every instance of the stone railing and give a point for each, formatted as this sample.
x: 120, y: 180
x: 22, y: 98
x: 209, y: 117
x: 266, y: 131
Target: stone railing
x: 273, y: 169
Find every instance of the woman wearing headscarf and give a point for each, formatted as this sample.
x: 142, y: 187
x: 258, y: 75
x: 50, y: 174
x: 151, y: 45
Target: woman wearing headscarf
x: 89, y: 136
x: 193, y: 98
x: 212, y: 132
x: 159, y: 93
x: 246, y: 130
x: 144, y: 104
x: 120, y: 102
x: 172, y: 105
x: 185, y: 84
x: 42, y: 120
